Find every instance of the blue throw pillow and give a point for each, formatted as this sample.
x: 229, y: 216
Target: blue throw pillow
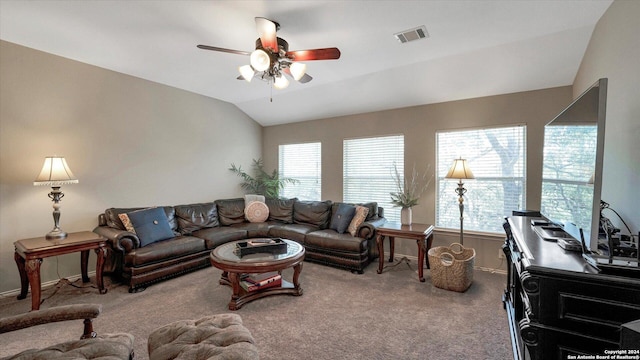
x: 151, y: 225
x: 342, y: 218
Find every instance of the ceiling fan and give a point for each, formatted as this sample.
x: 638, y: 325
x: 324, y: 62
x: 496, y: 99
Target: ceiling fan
x: 272, y: 59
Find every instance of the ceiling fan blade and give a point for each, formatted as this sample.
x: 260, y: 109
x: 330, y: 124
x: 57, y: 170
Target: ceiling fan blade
x: 314, y: 54
x: 213, y: 48
x: 305, y: 78
x: 267, y: 32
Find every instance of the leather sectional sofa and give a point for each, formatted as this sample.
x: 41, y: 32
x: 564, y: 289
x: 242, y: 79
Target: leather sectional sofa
x: 199, y: 228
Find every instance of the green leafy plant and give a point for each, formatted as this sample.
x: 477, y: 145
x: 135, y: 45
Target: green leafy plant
x: 262, y: 182
x: 409, y: 191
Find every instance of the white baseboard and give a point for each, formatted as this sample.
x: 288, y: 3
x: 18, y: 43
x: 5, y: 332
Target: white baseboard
x: 48, y: 284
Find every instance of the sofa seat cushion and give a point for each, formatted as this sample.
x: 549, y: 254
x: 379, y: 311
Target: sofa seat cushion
x: 214, y: 237
x: 295, y: 232
x: 106, y: 346
x: 163, y: 250
x: 220, y: 336
x: 255, y: 230
x: 330, y: 239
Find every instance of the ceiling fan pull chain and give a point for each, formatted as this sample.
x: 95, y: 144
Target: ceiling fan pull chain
x: 271, y: 94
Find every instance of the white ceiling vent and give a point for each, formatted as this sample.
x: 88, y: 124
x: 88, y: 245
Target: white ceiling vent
x: 412, y: 34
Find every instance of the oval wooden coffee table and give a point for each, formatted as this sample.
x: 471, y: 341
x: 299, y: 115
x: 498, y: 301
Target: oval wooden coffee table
x: 233, y: 266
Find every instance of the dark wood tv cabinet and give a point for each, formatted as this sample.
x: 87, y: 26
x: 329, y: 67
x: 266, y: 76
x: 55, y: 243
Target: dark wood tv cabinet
x: 558, y: 306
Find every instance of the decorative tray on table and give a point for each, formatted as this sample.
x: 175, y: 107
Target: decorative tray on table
x: 272, y: 246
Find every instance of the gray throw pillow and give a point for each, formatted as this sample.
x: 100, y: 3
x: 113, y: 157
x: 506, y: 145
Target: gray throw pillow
x: 342, y: 218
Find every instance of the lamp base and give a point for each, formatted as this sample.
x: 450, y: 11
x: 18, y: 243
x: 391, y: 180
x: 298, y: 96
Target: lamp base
x: 56, y: 234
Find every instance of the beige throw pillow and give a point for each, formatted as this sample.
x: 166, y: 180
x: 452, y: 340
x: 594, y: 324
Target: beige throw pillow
x: 358, y: 219
x: 127, y: 223
x: 256, y: 211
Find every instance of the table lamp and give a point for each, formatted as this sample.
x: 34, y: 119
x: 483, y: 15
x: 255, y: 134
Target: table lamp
x: 55, y: 173
x: 460, y: 170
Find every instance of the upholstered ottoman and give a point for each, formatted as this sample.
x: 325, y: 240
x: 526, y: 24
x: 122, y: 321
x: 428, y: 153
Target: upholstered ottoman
x: 220, y: 336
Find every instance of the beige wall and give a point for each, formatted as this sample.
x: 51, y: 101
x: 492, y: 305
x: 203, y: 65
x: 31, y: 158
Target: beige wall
x: 129, y: 141
x: 419, y: 125
x: 614, y: 53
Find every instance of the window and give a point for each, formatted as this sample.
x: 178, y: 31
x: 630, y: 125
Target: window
x: 367, y: 171
x: 496, y: 157
x: 301, y: 162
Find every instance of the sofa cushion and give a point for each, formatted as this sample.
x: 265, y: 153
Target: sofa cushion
x: 217, y: 236
x: 342, y: 218
x: 295, y: 232
x: 256, y: 212
x: 230, y: 211
x: 316, y: 213
x: 196, y: 216
x: 358, y: 218
x: 281, y: 210
x: 256, y: 230
x: 151, y: 225
x: 330, y: 239
x: 163, y: 250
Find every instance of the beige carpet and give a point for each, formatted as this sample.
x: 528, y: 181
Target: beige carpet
x: 340, y: 316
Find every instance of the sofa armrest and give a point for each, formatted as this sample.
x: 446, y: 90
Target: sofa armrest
x: 54, y: 314
x: 121, y: 240
x: 367, y: 229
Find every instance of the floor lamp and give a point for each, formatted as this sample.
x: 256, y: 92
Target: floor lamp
x: 460, y: 170
x: 55, y: 173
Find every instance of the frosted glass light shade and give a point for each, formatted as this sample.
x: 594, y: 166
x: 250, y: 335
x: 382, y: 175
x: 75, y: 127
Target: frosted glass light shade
x: 260, y: 60
x: 247, y: 72
x: 298, y: 70
x: 280, y: 82
x: 55, y: 172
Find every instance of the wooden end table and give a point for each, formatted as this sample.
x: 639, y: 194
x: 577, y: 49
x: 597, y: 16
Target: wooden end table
x: 30, y: 252
x: 421, y: 233
x: 233, y: 266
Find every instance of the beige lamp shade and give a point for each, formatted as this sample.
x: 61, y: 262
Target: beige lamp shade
x: 460, y: 170
x: 55, y: 172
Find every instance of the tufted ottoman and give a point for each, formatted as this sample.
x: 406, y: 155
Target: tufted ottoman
x: 220, y: 336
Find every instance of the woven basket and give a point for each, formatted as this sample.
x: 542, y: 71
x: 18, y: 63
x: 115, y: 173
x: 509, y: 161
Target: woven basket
x: 452, y: 267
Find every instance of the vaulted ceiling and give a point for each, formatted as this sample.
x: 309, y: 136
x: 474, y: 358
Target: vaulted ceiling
x: 475, y: 48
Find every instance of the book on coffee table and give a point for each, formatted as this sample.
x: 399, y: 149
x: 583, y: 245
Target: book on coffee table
x: 263, y: 278
x: 249, y: 286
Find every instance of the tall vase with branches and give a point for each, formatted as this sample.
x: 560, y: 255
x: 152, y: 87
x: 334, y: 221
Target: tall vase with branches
x: 408, y: 191
x: 262, y: 182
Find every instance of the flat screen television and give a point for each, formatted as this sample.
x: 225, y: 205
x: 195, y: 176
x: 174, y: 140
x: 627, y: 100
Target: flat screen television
x: 572, y: 164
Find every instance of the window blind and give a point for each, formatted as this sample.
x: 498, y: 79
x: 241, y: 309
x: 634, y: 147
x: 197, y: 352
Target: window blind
x: 303, y: 163
x: 496, y: 156
x: 368, y: 168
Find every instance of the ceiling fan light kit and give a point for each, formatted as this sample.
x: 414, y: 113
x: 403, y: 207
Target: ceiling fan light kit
x: 260, y: 60
x: 272, y: 59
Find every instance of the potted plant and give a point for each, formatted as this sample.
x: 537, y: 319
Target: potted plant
x: 262, y: 183
x: 408, y: 191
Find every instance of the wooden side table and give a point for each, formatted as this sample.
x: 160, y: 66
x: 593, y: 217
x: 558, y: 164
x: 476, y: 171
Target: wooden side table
x: 30, y: 252
x: 421, y: 233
